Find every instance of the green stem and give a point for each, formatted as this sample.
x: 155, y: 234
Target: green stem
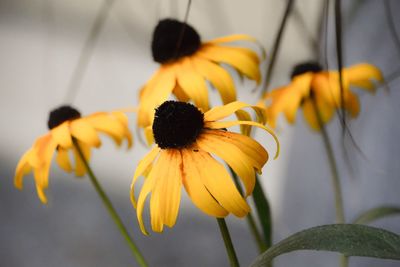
x: 334, y: 169
x: 250, y: 219
x: 228, y: 242
x: 135, y: 251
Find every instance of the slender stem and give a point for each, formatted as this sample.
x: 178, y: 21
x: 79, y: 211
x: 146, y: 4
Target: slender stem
x: 250, y: 219
x: 228, y: 242
x: 334, y: 169
x: 135, y: 251
x: 275, y: 48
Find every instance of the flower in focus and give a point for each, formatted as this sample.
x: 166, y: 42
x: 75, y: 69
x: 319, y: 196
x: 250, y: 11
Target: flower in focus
x: 186, y: 142
x: 187, y: 64
x: 66, y: 127
x: 313, y: 89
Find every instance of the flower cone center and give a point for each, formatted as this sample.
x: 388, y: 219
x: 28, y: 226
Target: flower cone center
x: 173, y: 39
x: 62, y: 114
x: 177, y: 124
x: 305, y: 67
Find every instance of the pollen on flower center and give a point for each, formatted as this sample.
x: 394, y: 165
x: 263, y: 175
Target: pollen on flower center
x: 61, y: 114
x: 177, y: 124
x: 173, y: 39
x: 310, y: 66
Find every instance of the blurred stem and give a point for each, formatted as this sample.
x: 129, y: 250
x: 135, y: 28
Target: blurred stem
x: 114, y: 215
x: 250, y: 219
x: 334, y: 170
x: 275, y: 48
x: 228, y: 242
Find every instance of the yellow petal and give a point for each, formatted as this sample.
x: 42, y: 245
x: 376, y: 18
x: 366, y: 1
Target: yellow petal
x: 220, y: 112
x: 218, y: 77
x: 84, y: 132
x: 63, y: 159
x: 23, y: 168
x: 195, y: 188
x: 193, y: 84
x: 352, y: 104
x: 255, y: 152
x: 80, y: 168
x: 180, y: 94
x: 227, y: 124
x: 232, y: 155
x: 310, y: 115
x: 242, y: 62
x: 360, y: 75
x: 140, y: 169
x: 62, y: 135
x: 219, y: 183
x: 156, y: 91
x: 167, y: 190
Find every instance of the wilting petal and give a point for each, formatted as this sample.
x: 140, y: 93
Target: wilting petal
x: 62, y: 159
x: 80, y: 168
x: 62, y: 135
x: 310, y: 115
x: 360, y: 75
x: 23, y: 168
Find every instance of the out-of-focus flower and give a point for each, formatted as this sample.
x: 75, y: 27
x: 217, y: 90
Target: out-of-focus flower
x: 186, y: 140
x: 66, y: 125
x: 187, y: 64
x: 312, y: 88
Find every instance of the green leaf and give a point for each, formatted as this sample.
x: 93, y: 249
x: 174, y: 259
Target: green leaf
x: 263, y: 212
x: 348, y: 239
x: 377, y: 213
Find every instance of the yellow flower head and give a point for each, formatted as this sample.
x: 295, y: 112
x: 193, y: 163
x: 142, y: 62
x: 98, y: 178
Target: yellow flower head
x: 186, y: 140
x: 312, y: 88
x: 186, y: 65
x: 65, y: 124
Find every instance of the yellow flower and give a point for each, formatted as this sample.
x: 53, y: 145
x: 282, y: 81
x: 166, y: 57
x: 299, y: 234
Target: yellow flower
x: 187, y: 65
x: 185, y: 141
x: 65, y: 124
x: 312, y: 87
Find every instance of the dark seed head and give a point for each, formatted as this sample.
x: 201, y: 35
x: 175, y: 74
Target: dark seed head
x: 177, y: 124
x: 173, y: 39
x: 305, y: 67
x: 61, y: 114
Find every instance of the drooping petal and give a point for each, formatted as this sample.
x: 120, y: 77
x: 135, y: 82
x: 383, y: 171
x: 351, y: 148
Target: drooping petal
x: 155, y: 92
x: 360, y: 75
x: 220, y: 112
x: 232, y: 155
x: 23, y: 168
x: 108, y: 125
x: 193, y: 84
x: 227, y: 124
x: 218, y: 77
x: 310, y: 115
x: 195, y: 188
x: 234, y: 57
x: 219, y: 183
x: 166, y: 193
x: 141, y: 168
x: 180, y: 94
x: 80, y: 168
x: 84, y: 132
x: 63, y: 160
x: 352, y: 104
x: 62, y: 135
x: 253, y: 150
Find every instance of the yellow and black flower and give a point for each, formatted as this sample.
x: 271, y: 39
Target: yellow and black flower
x: 313, y: 89
x: 186, y: 65
x: 186, y: 140
x: 66, y: 124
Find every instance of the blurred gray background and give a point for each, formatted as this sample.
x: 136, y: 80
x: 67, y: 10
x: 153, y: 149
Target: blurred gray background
x: 40, y: 43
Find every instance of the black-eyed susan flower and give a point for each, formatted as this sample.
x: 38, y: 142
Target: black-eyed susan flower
x: 65, y: 124
x: 187, y: 64
x: 312, y: 88
x: 187, y: 142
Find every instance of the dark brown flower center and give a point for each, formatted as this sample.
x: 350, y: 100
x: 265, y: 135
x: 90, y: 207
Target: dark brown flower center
x: 177, y: 124
x: 310, y: 66
x: 173, y: 39
x: 62, y: 114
